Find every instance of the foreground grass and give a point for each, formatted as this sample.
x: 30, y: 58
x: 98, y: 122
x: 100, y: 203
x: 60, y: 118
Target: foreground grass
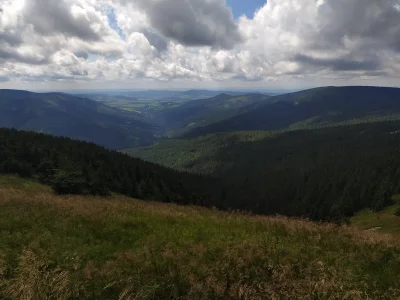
x: 75, y: 247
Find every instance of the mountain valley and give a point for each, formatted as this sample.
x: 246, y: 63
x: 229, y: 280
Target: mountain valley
x: 215, y: 176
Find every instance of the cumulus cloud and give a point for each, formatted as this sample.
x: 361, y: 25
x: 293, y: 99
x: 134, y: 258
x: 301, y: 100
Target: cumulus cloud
x: 372, y: 22
x: 167, y: 40
x: 193, y: 22
x: 50, y: 17
x: 355, y: 33
x: 24, y: 58
x: 155, y: 39
x: 323, y: 36
x: 10, y: 38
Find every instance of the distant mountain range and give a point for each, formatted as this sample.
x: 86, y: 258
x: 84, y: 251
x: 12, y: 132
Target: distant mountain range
x: 117, y: 122
x: 162, y: 95
x: 123, y: 121
x: 201, y: 94
x: 182, y: 112
x: 313, y: 108
x: 79, y: 118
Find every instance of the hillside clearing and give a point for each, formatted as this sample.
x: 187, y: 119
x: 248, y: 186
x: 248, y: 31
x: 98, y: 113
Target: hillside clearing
x: 384, y: 221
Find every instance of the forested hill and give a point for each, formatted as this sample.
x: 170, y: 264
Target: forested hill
x: 312, y: 108
x: 79, y: 118
x: 75, y: 167
x: 327, y: 173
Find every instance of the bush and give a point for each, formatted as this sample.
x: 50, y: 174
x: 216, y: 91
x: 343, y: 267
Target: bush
x: 65, y: 182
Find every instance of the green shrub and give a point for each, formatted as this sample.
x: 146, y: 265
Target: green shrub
x: 68, y: 182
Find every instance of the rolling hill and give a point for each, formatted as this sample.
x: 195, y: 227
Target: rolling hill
x: 202, y: 94
x: 79, y: 118
x: 313, y: 108
x: 85, y: 247
x: 193, y: 114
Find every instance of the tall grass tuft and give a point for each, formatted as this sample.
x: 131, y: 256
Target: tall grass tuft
x: 35, y: 279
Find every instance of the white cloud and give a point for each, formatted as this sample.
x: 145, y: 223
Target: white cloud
x: 75, y: 40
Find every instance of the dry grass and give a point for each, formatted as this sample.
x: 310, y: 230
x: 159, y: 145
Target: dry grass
x: 75, y: 247
x: 35, y: 279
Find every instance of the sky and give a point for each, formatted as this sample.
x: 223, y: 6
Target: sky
x: 183, y: 44
x: 245, y: 7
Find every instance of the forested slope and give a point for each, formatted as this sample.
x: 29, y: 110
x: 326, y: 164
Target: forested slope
x: 74, y: 167
x: 79, y: 118
x: 327, y: 173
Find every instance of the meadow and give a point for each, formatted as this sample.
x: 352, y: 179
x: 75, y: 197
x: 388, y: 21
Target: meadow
x: 85, y: 247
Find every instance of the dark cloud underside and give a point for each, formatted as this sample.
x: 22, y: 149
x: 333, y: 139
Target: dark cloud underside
x: 14, y: 56
x: 375, y: 22
x: 340, y: 64
x: 50, y: 17
x: 193, y: 22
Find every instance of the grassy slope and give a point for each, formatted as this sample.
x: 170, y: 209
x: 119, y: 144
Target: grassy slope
x: 385, y: 220
x: 77, y: 247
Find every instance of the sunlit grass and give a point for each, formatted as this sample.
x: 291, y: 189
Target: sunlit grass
x: 23, y: 184
x: 384, y: 221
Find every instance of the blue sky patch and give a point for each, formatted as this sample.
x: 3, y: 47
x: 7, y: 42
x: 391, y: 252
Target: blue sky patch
x: 112, y: 22
x: 245, y: 7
